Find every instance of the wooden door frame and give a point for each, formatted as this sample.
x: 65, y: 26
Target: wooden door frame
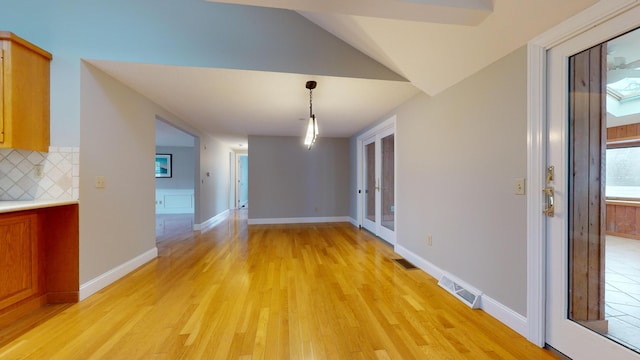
x: 537, y: 73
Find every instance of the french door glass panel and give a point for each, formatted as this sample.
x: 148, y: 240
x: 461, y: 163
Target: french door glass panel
x: 581, y: 307
x: 388, y: 182
x: 378, y: 159
x: 370, y: 185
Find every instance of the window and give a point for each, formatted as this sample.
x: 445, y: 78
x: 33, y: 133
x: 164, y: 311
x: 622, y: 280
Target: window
x: 623, y: 173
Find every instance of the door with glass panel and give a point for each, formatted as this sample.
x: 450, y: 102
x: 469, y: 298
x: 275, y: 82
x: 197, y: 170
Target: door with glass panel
x: 378, y: 160
x: 593, y: 279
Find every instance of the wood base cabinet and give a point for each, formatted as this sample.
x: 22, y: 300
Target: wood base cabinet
x: 39, y: 259
x: 18, y: 258
x: 24, y: 94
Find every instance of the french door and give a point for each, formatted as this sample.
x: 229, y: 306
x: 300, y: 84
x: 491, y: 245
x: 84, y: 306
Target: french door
x: 378, y: 207
x: 576, y: 324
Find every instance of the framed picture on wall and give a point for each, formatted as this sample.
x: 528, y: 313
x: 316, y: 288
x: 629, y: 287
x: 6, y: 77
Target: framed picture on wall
x: 163, y: 165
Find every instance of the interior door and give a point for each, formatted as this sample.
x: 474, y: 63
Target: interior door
x: 378, y: 152
x: 575, y: 321
x: 370, y: 185
x: 243, y: 181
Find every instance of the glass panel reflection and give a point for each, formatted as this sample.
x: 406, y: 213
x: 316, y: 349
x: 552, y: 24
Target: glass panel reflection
x: 388, y: 200
x: 370, y: 183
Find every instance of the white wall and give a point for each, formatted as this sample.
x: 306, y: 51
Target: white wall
x: 458, y: 154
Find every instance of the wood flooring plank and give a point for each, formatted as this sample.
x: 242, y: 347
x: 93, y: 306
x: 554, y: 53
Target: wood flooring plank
x: 233, y: 291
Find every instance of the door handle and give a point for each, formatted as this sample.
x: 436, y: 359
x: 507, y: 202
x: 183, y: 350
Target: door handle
x: 549, y: 209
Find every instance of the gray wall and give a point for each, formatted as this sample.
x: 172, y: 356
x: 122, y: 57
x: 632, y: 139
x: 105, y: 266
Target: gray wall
x: 288, y: 181
x: 183, y: 168
x: 458, y: 154
x: 214, y: 188
x: 117, y: 223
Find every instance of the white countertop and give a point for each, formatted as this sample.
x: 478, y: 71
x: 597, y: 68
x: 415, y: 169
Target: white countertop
x: 10, y: 206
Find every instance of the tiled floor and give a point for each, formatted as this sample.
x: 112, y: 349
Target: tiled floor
x: 622, y: 290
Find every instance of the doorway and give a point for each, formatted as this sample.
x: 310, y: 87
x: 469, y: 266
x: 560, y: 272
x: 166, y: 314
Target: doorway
x: 175, y: 205
x: 572, y: 173
x: 376, y: 173
x: 242, y: 190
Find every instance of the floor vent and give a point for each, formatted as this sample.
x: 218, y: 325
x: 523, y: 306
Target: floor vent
x: 462, y: 291
x: 405, y: 264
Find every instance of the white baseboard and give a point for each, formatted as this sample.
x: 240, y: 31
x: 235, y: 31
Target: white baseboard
x: 354, y: 222
x: 211, y: 222
x: 492, y: 307
x: 416, y: 260
x: 302, y: 220
x: 506, y: 316
x: 100, y: 282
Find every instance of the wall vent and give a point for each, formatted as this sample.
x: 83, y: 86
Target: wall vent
x: 462, y: 291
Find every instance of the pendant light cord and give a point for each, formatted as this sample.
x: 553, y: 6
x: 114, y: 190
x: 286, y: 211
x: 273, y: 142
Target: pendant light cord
x: 310, y: 103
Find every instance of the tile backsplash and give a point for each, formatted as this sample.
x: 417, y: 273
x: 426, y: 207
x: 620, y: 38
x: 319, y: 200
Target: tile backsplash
x: 60, y: 176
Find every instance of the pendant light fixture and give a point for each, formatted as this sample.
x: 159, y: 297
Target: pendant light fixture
x: 312, y: 127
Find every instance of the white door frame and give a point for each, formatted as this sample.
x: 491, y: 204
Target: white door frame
x: 388, y: 124
x: 536, y: 150
x: 366, y: 223
x: 232, y: 180
x: 238, y: 177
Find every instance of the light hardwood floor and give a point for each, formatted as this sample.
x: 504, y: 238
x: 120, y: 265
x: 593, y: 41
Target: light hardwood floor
x: 268, y: 292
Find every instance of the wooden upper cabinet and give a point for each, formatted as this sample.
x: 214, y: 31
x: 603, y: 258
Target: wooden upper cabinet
x: 623, y: 136
x: 24, y: 94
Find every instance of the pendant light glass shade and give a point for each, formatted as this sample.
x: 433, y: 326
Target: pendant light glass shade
x: 312, y: 126
x: 312, y: 132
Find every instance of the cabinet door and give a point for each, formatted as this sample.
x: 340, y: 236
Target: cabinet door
x: 25, y: 94
x: 18, y: 258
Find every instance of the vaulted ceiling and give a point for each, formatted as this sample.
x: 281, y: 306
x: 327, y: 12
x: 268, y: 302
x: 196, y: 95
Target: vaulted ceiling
x: 433, y: 44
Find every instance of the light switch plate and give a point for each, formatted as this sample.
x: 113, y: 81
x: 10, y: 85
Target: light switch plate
x: 100, y: 182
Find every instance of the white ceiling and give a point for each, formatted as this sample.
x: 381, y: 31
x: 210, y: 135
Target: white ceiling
x: 232, y: 104
x: 444, y: 42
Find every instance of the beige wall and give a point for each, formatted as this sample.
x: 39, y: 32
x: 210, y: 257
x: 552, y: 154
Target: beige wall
x: 117, y: 223
x: 117, y: 141
x: 458, y: 154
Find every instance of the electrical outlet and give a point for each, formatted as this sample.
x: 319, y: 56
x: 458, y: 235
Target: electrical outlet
x: 518, y: 186
x: 38, y: 171
x: 100, y: 182
x: 429, y: 240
